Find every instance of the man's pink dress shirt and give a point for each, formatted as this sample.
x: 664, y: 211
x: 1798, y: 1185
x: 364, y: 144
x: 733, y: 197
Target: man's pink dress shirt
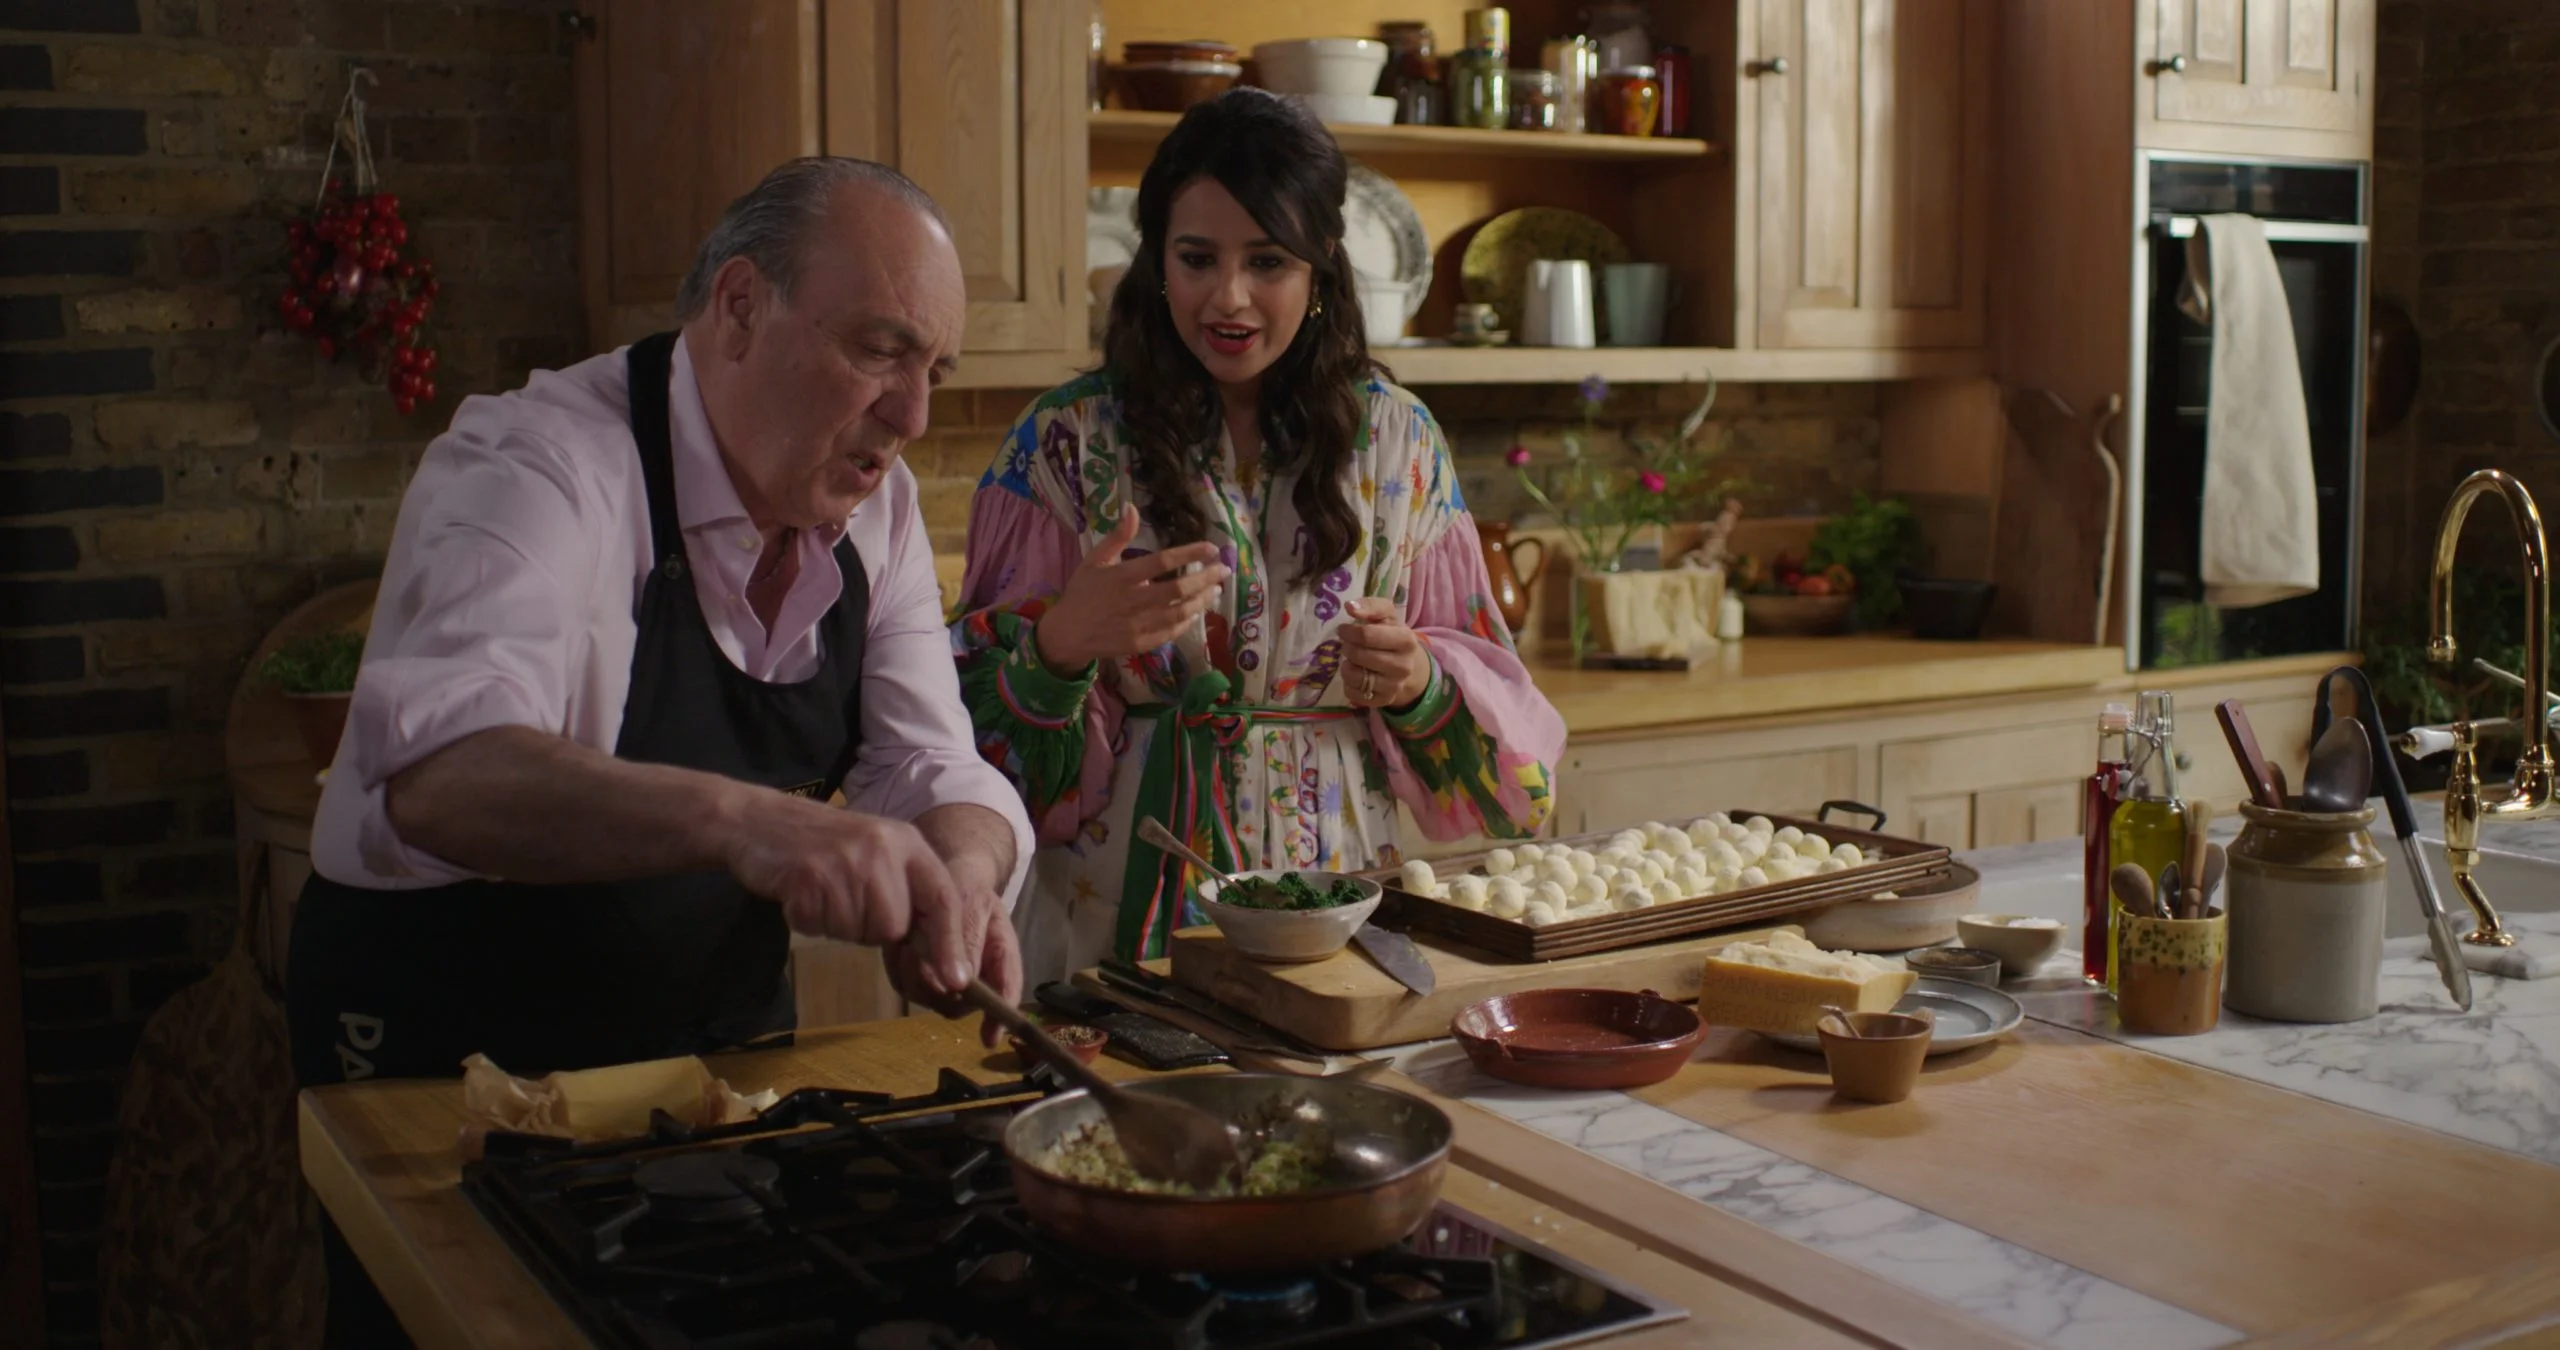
x: 510, y: 594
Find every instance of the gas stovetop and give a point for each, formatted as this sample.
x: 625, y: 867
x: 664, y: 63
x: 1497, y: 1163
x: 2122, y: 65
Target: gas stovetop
x: 857, y: 1219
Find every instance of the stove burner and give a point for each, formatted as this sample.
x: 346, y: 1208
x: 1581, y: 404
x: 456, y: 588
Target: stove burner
x: 1265, y: 1307
x: 846, y: 1219
x: 707, y: 1188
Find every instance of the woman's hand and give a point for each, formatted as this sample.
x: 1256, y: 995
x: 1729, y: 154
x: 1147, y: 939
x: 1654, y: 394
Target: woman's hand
x: 1113, y: 608
x: 1385, y: 664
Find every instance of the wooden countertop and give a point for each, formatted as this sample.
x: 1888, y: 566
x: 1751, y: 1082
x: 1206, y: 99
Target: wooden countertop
x: 381, y: 1157
x: 1770, y: 676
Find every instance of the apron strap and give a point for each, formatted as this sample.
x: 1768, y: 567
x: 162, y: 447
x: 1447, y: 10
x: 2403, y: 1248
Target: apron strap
x: 649, y: 362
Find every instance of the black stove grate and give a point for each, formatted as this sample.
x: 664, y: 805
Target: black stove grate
x: 843, y: 1218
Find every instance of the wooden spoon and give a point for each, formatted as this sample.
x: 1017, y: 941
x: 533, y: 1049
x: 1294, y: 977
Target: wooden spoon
x: 2189, y: 902
x: 1164, y: 1139
x: 2132, y: 887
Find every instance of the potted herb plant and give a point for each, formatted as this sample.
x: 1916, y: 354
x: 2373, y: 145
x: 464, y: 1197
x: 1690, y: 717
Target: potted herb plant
x: 317, y: 674
x: 1605, y: 507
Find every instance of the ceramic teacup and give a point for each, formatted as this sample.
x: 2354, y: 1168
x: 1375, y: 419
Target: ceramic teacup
x: 1882, y: 1062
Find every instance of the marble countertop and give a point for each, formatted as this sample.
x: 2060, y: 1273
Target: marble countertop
x: 2490, y: 1076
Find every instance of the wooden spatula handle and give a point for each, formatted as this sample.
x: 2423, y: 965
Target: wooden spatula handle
x: 2244, y: 748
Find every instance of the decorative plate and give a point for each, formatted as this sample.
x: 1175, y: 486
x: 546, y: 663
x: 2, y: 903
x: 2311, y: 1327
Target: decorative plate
x: 1110, y: 227
x: 1496, y: 268
x: 1383, y: 234
x: 1967, y: 1015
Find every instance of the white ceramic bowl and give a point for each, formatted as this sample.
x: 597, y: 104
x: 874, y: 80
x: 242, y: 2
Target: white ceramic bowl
x: 1359, y: 110
x: 1321, y: 65
x: 1917, y: 916
x: 1291, y: 934
x: 2022, y: 942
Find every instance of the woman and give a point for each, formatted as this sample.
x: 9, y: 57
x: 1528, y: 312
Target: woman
x: 1227, y: 581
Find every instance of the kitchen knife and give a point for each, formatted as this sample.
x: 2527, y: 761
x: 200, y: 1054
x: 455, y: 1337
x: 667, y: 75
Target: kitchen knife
x: 1396, y: 955
x: 2404, y: 823
x: 1235, y: 1029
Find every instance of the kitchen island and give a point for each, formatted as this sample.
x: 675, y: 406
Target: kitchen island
x: 2384, y: 1183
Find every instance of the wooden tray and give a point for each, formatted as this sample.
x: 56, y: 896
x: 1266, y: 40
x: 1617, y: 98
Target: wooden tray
x: 1905, y: 862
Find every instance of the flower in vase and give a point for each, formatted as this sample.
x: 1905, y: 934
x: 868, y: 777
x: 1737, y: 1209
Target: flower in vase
x: 1595, y: 389
x: 1652, y: 481
x: 1518, y: 458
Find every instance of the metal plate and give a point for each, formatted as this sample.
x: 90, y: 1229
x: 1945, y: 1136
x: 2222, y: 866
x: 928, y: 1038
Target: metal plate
x: 1967, y: 1015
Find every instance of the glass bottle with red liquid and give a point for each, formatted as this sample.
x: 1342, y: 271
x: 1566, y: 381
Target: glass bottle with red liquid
x: 2106, y: 789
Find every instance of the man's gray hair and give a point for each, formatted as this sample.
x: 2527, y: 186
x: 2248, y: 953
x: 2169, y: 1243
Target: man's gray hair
x: 770, y: 224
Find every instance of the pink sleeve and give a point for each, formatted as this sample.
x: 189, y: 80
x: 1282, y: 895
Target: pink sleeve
x: 1019, y: 559
x: 917, y: 749
x: 1503, y: 784
x: 479, y: 624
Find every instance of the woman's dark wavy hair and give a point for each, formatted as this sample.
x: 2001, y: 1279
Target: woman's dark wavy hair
x: 1284, y: 169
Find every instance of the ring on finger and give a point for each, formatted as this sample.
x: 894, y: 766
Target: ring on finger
x: 1368, y: 686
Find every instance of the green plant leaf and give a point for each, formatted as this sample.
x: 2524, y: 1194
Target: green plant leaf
x: 1874, y: 539
x: 319, y: 663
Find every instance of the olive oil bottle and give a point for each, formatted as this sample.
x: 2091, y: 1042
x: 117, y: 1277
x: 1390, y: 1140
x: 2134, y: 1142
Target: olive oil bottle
x: 2150, y: 826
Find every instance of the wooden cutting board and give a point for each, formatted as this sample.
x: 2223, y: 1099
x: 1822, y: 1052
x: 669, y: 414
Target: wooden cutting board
x: 1345, y: 1002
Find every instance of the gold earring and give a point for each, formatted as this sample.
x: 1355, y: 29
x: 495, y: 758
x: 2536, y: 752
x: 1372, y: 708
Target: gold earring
x: 1318, y: 311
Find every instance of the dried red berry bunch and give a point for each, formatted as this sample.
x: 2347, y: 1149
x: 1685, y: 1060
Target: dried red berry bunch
x: 359, y: 289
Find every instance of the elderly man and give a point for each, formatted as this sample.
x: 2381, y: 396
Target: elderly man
x: 641, y: 619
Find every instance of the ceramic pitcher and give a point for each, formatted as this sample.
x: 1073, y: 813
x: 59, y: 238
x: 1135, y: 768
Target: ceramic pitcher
x: 1511, y: 590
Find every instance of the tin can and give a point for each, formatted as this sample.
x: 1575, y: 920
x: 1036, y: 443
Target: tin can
x: 1489, y: 30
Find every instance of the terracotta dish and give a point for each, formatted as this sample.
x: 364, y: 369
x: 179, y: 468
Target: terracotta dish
x: 1579, y: 1038
x: 1795, y: 615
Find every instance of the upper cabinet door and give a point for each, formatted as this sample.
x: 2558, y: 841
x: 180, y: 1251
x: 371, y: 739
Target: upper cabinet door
x: 682, y: 106
x: 1874, y: 172
x: 981, y: 102
x: 2303, y: 65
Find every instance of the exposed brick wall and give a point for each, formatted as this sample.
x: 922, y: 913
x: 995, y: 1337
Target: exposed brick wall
x: 2467, y: 236
x: 1802, y: 448
x: 176, y: 472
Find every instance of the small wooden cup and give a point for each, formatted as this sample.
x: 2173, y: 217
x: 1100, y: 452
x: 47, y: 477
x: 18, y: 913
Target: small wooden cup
x: 1882, y: 1062
x: 2169, y: 973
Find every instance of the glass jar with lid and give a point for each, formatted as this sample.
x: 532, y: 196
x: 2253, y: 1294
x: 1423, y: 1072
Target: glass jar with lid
x: 1533, y: 100
x: 1479, y: 76
x: 1628, y: 102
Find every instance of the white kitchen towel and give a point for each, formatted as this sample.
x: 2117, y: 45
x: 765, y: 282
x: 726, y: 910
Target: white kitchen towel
x: 2261, y: 511
x: 2534, y: 956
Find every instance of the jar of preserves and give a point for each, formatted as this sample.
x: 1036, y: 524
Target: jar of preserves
x: 1679, y: 90
x: 1629, y: 102
x: 1533, y: 100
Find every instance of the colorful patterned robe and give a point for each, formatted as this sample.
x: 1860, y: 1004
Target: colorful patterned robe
x: 1298, y: 778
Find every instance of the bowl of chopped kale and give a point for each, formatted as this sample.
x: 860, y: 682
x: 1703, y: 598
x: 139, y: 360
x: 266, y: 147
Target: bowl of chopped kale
x: 1286, y: 915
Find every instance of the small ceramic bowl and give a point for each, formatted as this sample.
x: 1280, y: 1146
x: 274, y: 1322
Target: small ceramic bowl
x: 1579, y: 1039
x: 1291, y: 934
x: 1969, y: 964
x: 1085, y: 1043
x: 2022, y: 942
x: 1882, y: 1062
x: 1912, y: 916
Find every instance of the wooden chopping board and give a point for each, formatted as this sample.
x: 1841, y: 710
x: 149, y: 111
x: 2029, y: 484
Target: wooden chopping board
x: 1345, y: 1002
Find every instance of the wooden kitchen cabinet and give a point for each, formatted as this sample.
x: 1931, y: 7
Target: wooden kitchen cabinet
x: 1874, y: 173
x: 2220, y: 68
x: 1613, y: 784
x: 683, y: 106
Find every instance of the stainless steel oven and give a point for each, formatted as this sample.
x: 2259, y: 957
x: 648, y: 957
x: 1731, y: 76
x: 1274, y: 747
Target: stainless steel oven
x: 2316, y: 219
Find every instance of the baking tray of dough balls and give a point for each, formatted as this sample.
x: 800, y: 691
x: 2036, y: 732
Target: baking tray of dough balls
x: 1637, y: 868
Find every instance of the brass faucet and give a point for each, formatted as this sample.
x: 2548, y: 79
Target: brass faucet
x: 2530, y: 793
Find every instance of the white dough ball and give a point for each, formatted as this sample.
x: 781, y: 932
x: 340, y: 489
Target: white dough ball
x: 1751, y: 876
x: 1780, y: 851
x: 1718, y: 819
x: 1761, y: 826
x: 1553, y: 893
x: 1812, y: 844
x: 1849, y: 854
x: 1539, y: 914
x: 1506, y: 897
x: 1834, y: 865
x: 1700, y: 831
x: 1667, y: 892
x: 1500, y: 863
x: 1590, y: 890
x: 1418, y: 878
x: 1633, y: 839
x: 1558, y: 870
x: 1469, y: 892
x: 1625, y: 901
x: 1735, y: 833
x: 1584, y: 864
x: 1529, y: 854
x: 1590, y: 911
x: 1652, y: 870
x: 1788, y: 834
x: 1721, y: 855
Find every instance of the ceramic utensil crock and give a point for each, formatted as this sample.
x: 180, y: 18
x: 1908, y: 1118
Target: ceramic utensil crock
x: 2306, y: 909
x: 2169, y: 972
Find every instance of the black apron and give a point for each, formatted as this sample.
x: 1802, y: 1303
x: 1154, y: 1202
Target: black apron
x: 408, y: 983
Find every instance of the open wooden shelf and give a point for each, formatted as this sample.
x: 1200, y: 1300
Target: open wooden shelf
x: 1552, y: 365
x: 1146, y: 128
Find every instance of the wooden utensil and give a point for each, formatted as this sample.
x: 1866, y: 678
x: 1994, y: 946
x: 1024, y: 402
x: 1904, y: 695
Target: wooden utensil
x: 2215, y: 862
x: 1164, y: 1139
x: 2189, y: 903
x: 2264, y: 788
x: 1847, y: 1027
x: 2132, y: 887
x: 2284, y: 793
x: 2340, y: 775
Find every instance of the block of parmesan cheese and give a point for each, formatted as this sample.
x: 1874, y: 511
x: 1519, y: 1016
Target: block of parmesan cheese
x: 1783, y: 984
x: 613, y: 1102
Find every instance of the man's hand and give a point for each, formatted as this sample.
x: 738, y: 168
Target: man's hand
x: 977, y: 846
x: 1112, y: 608
x: 856, y: 878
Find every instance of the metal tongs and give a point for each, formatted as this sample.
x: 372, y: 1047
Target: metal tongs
x: 2441, y: 943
